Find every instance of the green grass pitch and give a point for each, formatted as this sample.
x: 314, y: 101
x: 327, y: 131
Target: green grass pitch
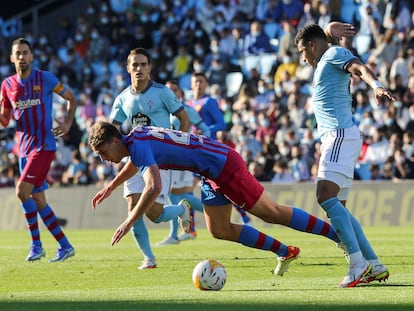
x: 102, y: 277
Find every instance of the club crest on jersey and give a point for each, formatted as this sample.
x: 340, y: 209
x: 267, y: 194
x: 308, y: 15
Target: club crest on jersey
x: 36, y: 88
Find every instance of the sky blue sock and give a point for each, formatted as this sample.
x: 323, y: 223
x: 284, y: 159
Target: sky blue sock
x: 366, y: 248
x: 140, y: 233
x: 341, y: 221
x: 30, y: 214
x: 251, y: 237
x: 305, y: 222
x: 169, y: 212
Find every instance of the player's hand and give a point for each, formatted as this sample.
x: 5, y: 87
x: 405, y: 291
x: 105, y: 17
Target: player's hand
x: 100, y: 196
x: 339, y: 30
x: 62, y: 128
x: 381, y: 92
x: 122, y: 230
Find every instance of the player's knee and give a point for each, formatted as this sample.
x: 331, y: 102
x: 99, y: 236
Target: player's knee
x: 218, y: 233
x: 22, y: 195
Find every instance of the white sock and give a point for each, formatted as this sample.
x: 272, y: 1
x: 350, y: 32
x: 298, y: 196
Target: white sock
x: 356, y: 259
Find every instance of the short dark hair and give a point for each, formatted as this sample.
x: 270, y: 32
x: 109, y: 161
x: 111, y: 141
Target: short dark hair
x: 19, y: 41
x: 199, y: 74
x: 309, y: 33
x: 141, y: 51
x: 102, y: 132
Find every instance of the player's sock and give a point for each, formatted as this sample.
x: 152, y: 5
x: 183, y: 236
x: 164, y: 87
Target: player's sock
x: 306, y: 222
x: 169, y: 212
x: 251, y: 237
x: 341, y: 221
x: 30, y: 213
x: 140, y: 233
x: 245, y: 217
x: 192, y: 224
x: 196, y: 205
x: 363, y: 242
x: 50, y: 220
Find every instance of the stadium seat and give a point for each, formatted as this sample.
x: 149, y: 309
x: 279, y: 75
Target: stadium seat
x: 267, y: 61
x: 272, y: 30
x: 234, y: 81
x: 250, y: 62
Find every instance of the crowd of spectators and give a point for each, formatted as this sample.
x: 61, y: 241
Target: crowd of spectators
x: 270, y: 119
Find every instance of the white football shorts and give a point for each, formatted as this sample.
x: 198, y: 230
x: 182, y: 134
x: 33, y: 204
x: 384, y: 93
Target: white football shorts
x: 181, y: 179
x: 136, y: 184
x: 340, y: 150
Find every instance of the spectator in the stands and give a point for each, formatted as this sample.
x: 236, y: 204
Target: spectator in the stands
x: 256, y: 42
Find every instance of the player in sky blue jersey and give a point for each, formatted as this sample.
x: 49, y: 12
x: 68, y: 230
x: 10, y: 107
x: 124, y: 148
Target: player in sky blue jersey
x: 146, y: 102
x: 226, y: 181
x: 341, y: 140
x: 27, y: 97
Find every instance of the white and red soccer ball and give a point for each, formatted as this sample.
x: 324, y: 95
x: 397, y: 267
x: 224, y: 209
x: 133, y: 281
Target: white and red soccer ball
x: 209, y: 274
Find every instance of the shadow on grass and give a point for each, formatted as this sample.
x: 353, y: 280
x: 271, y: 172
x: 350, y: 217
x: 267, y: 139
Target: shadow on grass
x: 172, y: 306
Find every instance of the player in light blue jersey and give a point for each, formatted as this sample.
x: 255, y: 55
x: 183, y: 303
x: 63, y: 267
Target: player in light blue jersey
x: 146, y: 102
x: 341, y: 140
x: 226, y: 181
x: 183, y: 182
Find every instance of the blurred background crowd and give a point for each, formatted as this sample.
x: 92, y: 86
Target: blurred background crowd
x: 246, y: 48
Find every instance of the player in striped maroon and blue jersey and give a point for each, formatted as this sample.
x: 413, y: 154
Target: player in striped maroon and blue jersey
x: 226, y: 181
x: 27, y: 98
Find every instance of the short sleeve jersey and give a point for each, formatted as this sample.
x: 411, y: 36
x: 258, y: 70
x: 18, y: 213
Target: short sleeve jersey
x: 332, y: 100
x: 31, y: 101
x: 152, y: 107
x: 171, y: 149
x: 210, y: 113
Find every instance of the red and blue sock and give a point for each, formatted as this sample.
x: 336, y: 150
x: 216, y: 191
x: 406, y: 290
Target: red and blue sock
x: 30, y: 213
x: 306, y: 222
x: 51, y: 222
x: 251, y: 237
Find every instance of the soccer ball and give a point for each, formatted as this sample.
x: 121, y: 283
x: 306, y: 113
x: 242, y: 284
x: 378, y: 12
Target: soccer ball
x: 209, y: 275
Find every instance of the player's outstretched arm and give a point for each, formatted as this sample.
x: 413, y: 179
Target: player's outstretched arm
x: 126, y: 173
x: 100, y: 196
x: 152, y: 190
x: 359, y: 69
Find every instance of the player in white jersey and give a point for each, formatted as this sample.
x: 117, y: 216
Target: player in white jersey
x: 146, y: 102
x: 341, y: 140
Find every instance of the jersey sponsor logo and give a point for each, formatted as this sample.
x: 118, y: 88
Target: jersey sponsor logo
x: 27, y: 103
x: 141, y: 119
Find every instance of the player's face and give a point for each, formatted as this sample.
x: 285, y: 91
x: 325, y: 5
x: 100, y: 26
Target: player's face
x: 306, y: 51
x: 175, y: 88
x: 109, y: 152
x: 21, y: 57
x: 139, y: 68
x: 199, y: 84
